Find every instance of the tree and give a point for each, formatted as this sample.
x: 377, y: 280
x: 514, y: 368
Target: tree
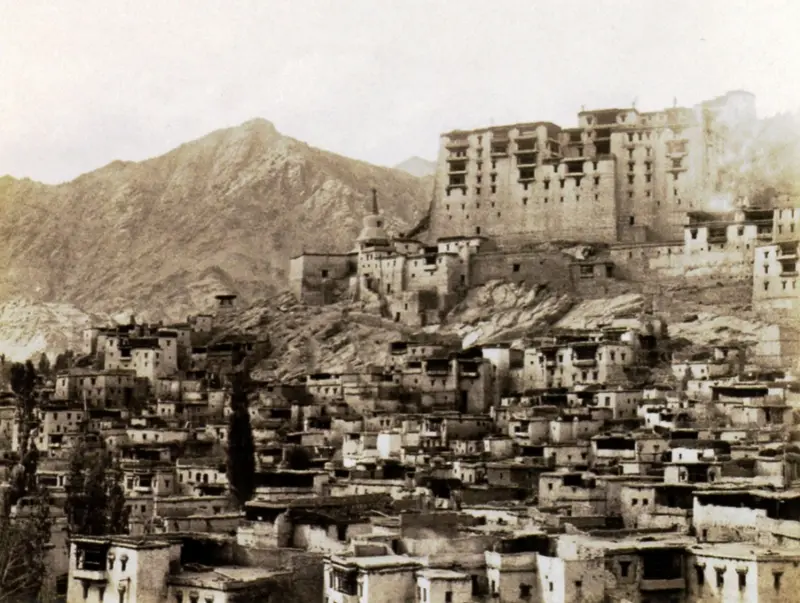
x: 23, y: 383
x: 44, y: 365
x: 23, y: 379
x: 64, y: 361
x: 23, y: 549
x: 95, y: 504
x: 241, y: 448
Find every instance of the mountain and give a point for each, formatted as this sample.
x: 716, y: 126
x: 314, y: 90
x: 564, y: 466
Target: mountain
x: 159, y: 237
x: 417, y: 166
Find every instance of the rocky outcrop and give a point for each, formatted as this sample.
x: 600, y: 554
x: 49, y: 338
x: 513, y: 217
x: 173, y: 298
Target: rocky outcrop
x: 27, y: 329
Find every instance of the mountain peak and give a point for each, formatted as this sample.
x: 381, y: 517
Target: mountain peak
x: 259, y: 124
x: 227, y: 210
x: 417, y: 166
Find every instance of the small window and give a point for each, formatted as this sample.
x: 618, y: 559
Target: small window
x: 624, y: 568
x: 515, y: 268
x: 742, y: 578
x: 448, y: 597
x: 776, y: 580
x: 701, y: 575
x: 720, y: 577
x: 525, y: 591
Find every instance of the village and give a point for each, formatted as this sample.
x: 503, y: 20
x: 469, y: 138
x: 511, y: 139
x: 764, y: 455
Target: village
x: 446, y: 476
x: 591, y: 465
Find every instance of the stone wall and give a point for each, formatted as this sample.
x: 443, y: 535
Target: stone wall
x: 529, y: 267
x: 313, y: 278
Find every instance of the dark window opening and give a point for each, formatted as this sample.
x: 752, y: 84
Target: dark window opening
x: 631, y: 220
x: 515, y: 268
x: 701, y: 574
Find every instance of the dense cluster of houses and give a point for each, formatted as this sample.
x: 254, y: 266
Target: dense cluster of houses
x: 560, y: 470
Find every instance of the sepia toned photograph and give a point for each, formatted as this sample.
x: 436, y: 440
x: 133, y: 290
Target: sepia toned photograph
x: 399, y: 301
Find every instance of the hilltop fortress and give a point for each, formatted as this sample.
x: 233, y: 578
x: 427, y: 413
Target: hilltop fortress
x: 620, y: 176
x: 640, y: 192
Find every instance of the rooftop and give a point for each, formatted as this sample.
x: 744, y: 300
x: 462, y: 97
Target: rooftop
x: 744, y: 551
x: 376, y: 562
x: 226, y: 578
x: 442, y: 574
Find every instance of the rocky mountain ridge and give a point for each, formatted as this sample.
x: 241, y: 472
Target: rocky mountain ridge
x: 225, y: 212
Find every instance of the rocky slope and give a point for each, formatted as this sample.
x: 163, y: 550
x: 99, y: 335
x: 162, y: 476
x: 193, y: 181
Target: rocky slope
x: 27, y: 329
x: 158, y: 237
x: 339, y: 338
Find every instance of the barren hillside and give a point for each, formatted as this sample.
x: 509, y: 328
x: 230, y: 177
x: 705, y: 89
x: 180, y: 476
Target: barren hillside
x: 226, y: 211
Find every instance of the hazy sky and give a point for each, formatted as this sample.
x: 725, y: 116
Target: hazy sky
x: 86, y: 82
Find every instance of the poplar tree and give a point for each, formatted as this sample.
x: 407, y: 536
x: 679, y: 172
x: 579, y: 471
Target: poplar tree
x: 44, y: 365
x: 25, y: 535
x: 95, y: 504
x: 241, y: 465
x: 22, y: 378
x: 24, y: 540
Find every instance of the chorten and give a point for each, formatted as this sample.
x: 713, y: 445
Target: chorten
x: 372, y: 233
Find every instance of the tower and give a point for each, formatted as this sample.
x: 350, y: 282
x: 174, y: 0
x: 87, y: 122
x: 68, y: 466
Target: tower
x: 226, y: 306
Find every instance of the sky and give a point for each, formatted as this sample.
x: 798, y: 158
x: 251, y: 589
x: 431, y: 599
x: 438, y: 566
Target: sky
x: 87, y: 82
